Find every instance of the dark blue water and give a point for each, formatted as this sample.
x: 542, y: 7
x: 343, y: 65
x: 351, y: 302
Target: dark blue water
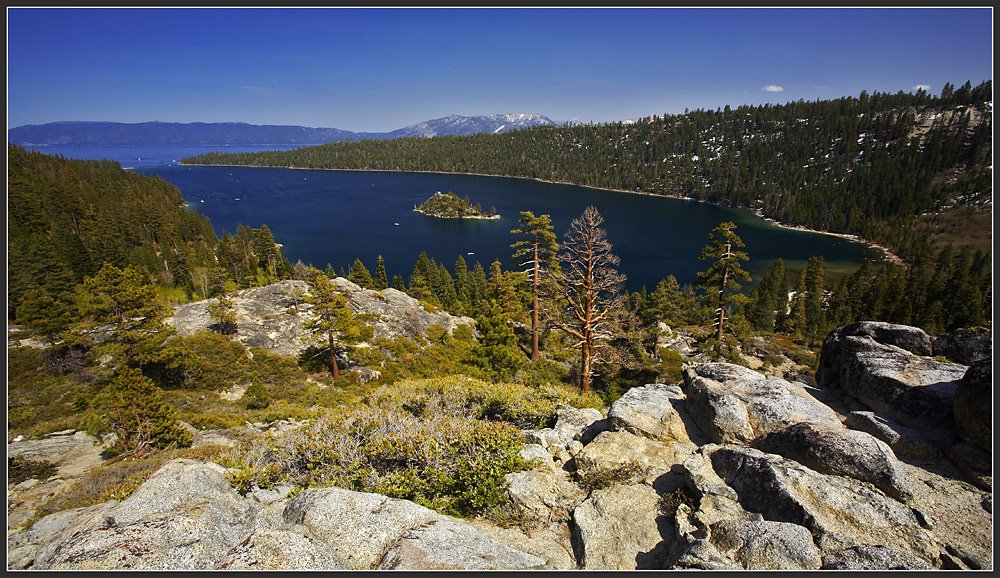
x: 334, y: 217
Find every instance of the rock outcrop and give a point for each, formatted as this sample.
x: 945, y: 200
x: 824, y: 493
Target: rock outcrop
x: 843, y: 452
x: 188, y: 517
x: 733, y: 404
x: 72, y: 452
x: 885, y: 366
x: 840, y: 512
x: 973, y: 407
x: 968, y: 345
x: 730, y: 470
x: 274, y: 317
x: 621, y: 528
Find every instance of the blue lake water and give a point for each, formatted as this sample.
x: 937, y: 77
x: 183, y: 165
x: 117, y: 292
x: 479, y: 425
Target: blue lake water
x: 333, y: 217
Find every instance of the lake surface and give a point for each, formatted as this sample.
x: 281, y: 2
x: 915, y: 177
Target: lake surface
x: 334, y: 217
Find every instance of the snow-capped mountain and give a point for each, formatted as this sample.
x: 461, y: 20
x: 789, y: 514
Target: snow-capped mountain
x: 456, y: 125
x: 199, y: 133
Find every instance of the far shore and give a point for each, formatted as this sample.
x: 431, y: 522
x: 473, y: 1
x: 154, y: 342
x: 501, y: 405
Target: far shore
x: 887, y: 253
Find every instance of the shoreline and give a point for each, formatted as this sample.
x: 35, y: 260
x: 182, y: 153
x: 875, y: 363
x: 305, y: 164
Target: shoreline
x: 467, y: 217
x: 887, y: 253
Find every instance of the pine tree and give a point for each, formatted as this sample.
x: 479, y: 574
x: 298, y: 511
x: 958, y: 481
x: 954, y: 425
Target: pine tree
x: 501, y: 289
x: 125, y: 300
x: 335, y: 320
x: 724, y: 269
x: 479, y: 285
x: 398, y: 283
x: 360, y: 276
x: 769, y: 299
x: 223, y: 312
x: 815, y: 310
x: 539, y: 250
x: 463, y: 289
x: 44, y: 315
x: 671, y: 304
x: 139, y: 416
x: 496, y: 352
x: 444, y: 288
x: 421, y: 285
x: 381, y: 280
x: 795, y: 322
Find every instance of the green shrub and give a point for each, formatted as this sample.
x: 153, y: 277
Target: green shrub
x: 255, y: 397
x: 20, y: 468
x: 459, y: 395
x: 452, y: 464
x: 139, y: 416
x: 216, y: 361
x: 605, y: 478
x: 670, y: 365
x: 671, y: 500
x: 273, y: 368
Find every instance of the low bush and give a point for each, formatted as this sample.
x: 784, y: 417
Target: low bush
x: 461, y: 396
x: 452, y: 464
x: 20, y: 468
x: 256, y: 396
x: 215, y: 361
x: 605, y: 478
x: 670, y: 501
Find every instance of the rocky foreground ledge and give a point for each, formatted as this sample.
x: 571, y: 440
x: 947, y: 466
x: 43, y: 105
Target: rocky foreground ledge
x: 731, y: 469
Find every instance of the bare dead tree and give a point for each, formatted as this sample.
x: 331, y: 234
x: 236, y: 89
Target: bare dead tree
x: 589, y: 297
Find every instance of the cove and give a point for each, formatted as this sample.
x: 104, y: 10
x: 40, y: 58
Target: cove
x: 322, y: 216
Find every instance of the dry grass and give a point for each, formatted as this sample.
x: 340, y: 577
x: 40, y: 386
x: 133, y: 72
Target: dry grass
x: 961, y: 226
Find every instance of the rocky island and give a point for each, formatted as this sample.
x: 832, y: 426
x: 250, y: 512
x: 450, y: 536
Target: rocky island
x: 450, y: 206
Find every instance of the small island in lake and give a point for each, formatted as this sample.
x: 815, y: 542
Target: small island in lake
x: 450, y: 206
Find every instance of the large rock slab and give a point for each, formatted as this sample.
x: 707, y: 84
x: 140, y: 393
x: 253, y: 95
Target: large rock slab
x: 359, y: 526
x: 613, y: 453
x: 912, y: 339
x: 185, y: 516
x: 873, y: 558
x: 904, y: 441
x: 897, y: 383
x: 551, y: 543
x: 655, y: 411
x: 967, y: 345
x: 542, y: 497
x: 621, y: 528
x: 841, y: 452
x: 281, y: 549
x: 274, y: 317
x: 766, y: 545
x: 840, y: 512
x: 454, y: 545
x: 974, y: 405
x: 72, y: 453
x: 747, y: 405
x: 399, y: 315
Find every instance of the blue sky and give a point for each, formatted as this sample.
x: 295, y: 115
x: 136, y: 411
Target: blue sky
x: 381, y: 69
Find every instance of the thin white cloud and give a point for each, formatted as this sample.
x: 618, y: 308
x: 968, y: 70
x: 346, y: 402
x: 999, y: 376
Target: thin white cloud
x: 923, y: 87
x: 773, y: 88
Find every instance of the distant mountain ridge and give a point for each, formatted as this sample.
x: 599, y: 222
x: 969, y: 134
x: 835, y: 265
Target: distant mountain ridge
x: 238, y: 133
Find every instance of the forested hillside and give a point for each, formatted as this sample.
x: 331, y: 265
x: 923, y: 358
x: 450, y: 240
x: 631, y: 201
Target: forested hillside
x: 67, y: 218
x: 867, y: 165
